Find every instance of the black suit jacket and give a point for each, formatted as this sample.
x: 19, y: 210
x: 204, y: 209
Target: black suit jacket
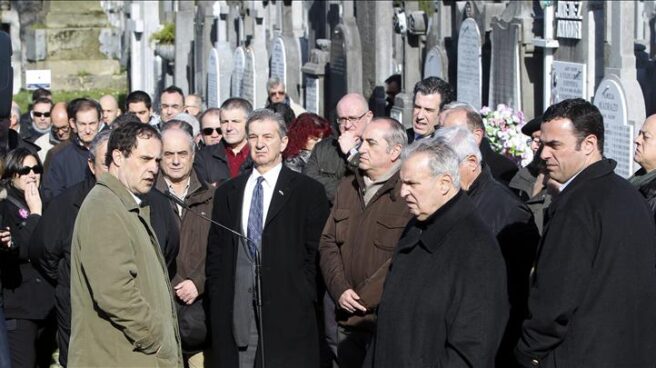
x: 290, y: 239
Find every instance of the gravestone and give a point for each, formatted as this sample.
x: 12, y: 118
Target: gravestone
x: 345, y: 67
x: 239, y: 60
x: 213, y: 75
x: 312, y: 94
x: 505, y: 68
x: 435, y: 63
x: 224, y: 52
x: 315, y: 73
x: 248, y: 82
x: 470, y: 71
x: 568, y: 80
x: 184, y: 37
x: 279, y: 59
x: 618, y: 135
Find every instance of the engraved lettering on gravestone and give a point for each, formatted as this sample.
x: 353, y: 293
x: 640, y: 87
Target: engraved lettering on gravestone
x: 238, y: 72
x: 433, y: 64
x: 212, y: 79
x: 618, y: 135
x: 248, y: 83
x: 469, y: 75
x: 312, y: 94
x: 279, y: 60
x: 569, y: 19
x: 568, y: 81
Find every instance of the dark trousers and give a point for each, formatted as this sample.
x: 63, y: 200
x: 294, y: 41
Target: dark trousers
x: 352, y: 345
x: 5, y: 362
x: 31, y: 342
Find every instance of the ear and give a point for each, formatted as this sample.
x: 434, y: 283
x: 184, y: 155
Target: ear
x: 71, y: 123
x: 478, y: 135
x: 445, y: 183
x: 92, y: 167
x: 396, y: 152
x: 283, y: 143
x: 589, y: 144
x: 471, y: 162
x: 117, y: 157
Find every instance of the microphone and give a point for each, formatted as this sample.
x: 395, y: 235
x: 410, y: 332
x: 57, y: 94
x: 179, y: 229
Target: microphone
x: 181, y: 203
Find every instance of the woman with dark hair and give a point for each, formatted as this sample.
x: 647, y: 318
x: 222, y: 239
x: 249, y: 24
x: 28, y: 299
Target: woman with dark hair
x: 305, y: 132
x: 28, y: 297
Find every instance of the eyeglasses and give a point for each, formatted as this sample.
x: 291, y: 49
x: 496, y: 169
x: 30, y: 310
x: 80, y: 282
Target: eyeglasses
x: 278, y: 93
x: 350, y: 119
x: 38, y: 169
x: 209, y: 131
x: 64, y: 129
x: 40, y: 114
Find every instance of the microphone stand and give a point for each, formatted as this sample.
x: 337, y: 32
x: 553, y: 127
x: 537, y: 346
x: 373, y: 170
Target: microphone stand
x: 258, y: 266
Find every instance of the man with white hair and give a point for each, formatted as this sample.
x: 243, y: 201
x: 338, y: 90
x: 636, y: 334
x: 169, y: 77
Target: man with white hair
x: 444, y: 302
x: 277, y: 93
x: 510, y: 220
x: 463, y: 114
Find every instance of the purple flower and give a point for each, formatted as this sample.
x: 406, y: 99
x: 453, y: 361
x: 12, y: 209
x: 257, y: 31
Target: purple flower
x: 23, y: 213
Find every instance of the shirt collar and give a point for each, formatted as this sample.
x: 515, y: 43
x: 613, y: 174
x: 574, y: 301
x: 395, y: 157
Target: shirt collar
x: 269, y: 176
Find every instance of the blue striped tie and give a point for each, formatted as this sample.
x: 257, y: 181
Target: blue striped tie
x: 254, y: 231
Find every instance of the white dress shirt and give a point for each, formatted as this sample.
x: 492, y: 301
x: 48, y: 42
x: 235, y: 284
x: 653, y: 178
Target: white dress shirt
x: 268, y: 184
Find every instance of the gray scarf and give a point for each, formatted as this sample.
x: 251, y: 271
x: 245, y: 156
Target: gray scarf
x: 641, y: 177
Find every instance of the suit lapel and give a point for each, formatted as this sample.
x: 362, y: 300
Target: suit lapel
x: 281, y: 194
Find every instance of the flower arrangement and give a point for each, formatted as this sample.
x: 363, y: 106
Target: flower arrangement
x: 503, y: 129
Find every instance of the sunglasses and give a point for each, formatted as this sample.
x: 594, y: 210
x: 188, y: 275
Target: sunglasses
x: 209, y: 131
x: 40, y: 114
x: 279, y: 93
x: 38, y: 169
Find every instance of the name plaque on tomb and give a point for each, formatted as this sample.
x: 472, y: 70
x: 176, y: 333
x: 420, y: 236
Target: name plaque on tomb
x: 238, y: 72
x: 567, y: 81
x: 279, y: 60
x: 312, y: 94
x: 433, y: 66
x: 618, y: 135
x: 213, y: 79
x: 569, y: 15
x: 248, y: 83
x: 469, y: 71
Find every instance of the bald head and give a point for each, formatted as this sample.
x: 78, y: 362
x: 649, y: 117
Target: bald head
x: 466, y: 117
x: 60, y: 124
x: 353, y: 113
x: 645, y: 151
x: 110, y: 109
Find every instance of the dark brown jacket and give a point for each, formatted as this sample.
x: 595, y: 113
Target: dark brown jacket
x: 190, y: 263
x: 358, y: 242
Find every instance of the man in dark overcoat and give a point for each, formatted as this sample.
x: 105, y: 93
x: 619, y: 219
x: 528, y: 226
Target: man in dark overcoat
x: 282, y: 213
x: 592, y: 296
x: 444, y: 302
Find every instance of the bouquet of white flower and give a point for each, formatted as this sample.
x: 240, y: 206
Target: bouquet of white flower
x: 503, y: 129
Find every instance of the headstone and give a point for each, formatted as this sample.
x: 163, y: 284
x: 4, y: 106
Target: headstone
x: 239, y: 59
x: 345, y: 61
x: 213, y: 79
x: 434, y: 65
x: 505, y: 68
x: 470, y: 71
x: 184, y: 36
x: 279, y: 59
x: 224, y: 52
x: 315, y: 76
x: 618, y: 135
x: 568, y: 81
x: 248, y: 82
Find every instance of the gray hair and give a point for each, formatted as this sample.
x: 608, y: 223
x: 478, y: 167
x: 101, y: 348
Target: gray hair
x: 474, y: 118
x: 266, y: 114
x: 461, y: 140
x: 185, y: 132
x: 274, y: 81
x: 191, y: 120
x: 396, y: 134
x: 98, y: 140
x: 441, y: 158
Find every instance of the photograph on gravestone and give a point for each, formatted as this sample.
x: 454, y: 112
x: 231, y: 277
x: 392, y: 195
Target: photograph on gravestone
x: 238, y: 72
x: 312, y: 94
x: 433, y: 65
x: 248, y: 82
x: 505, y: 68
x: 279, y: 60
x: 469, y: 70
x: 568, y: 81
x: 212, y: 97
x: 618, y: 135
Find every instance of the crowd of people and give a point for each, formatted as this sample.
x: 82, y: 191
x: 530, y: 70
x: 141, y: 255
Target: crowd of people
x: 251, y: 237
